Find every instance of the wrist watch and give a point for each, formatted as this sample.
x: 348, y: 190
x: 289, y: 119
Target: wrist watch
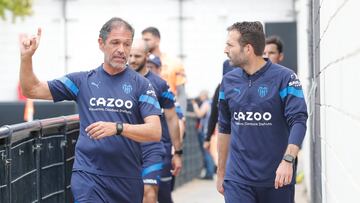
x: 289, y: 158
x: 119, y: 128
x: 179, y: 152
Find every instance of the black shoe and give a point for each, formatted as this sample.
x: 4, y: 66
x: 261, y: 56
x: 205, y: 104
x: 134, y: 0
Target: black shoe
x: 207, y: 178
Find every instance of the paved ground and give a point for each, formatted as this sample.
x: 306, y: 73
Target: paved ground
x: 197, y: 191
x: 200, y: 191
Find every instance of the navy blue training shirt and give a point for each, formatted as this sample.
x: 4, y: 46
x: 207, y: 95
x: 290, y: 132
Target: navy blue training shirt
x: 126, y: 97
x: 166, y: 99
x: 263, y: 113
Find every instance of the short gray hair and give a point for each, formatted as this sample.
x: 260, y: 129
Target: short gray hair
x: 114, y: 22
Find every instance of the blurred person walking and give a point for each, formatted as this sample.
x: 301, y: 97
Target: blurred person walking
x: 158, y: 159
x: 202, y: 112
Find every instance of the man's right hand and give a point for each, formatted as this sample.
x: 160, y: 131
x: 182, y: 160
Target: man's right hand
x: 28, y: 45
x: 206, y: 145
x: 220, y: 182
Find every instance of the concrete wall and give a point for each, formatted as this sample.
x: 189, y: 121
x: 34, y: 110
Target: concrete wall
x: 340, y: 110
x: 339, y: 47
x: 204, y: 34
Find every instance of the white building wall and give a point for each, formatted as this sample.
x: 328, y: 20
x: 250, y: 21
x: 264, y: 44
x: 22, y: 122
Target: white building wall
x: 204, y: 34
x: 340, y: 110
x: 48, y: 61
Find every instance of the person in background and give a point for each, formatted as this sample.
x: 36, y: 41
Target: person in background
x: 210, y: 142
x: 274, y: 49
x: 262, y: 122
x: 117, y: 110
x: 172, y: 70
x: 157, y: 156
x: 202, y: 112
x: 153, y: 63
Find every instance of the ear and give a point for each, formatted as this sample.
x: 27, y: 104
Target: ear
x: 250, y: 49
x: 157, y: 41
x: 281, y: 57
x: 101, y: 44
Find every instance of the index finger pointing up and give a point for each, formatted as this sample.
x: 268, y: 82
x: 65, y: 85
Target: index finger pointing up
x: 38, y: 36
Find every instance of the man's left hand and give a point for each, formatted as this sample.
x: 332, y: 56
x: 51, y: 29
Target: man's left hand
x: 284, y: 174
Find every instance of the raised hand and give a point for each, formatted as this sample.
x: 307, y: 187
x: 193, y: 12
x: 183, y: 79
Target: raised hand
x: 28, y: 45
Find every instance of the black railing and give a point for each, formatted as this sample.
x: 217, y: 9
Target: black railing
x: 36, y: 159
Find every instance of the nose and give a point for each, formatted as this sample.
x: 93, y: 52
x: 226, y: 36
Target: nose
x: 120, y: 48
x: 131, y: 59
x: 265, y: 55
x: 226, y: 50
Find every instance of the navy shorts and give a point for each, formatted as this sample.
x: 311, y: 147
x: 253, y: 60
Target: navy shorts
x: 237, y: 192
x: 90, y: 188
x: 152, y: 168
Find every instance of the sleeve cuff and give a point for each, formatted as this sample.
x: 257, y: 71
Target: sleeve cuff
x: 297, y: 134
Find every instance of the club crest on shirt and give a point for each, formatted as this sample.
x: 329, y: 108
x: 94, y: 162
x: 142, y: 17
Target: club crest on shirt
x: 262, y: 91
x: 127, y: 88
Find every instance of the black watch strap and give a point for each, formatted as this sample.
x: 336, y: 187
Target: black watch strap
x: 179, y: 152
x: 119, y: 128
x: 289, y: 158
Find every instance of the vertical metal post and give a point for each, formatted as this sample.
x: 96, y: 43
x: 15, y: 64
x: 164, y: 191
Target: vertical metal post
x: 63, y: 150
x: 65, y: 21
x: 181, y: 40
x: 8, y: 162
x: 37, y: 151
x: 315, y: 142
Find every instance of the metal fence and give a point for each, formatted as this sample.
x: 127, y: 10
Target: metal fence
x: 192, y: 158
x: 36, y: 159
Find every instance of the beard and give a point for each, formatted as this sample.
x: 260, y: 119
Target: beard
x: 140, y: 67
x: 115, y: 64
x: 237, y: 62
x: 151, y: 49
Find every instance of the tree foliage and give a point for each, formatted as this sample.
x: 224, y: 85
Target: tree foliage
x: 18, y: 8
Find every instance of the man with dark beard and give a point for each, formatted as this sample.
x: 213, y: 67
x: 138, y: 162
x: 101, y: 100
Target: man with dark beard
x: 262, y: 122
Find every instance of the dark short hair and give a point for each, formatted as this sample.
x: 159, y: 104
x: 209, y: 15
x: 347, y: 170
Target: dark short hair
x: 153, y: 30
x: 114, y: 22
x: 251, y: 33
x: 275, y: 40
